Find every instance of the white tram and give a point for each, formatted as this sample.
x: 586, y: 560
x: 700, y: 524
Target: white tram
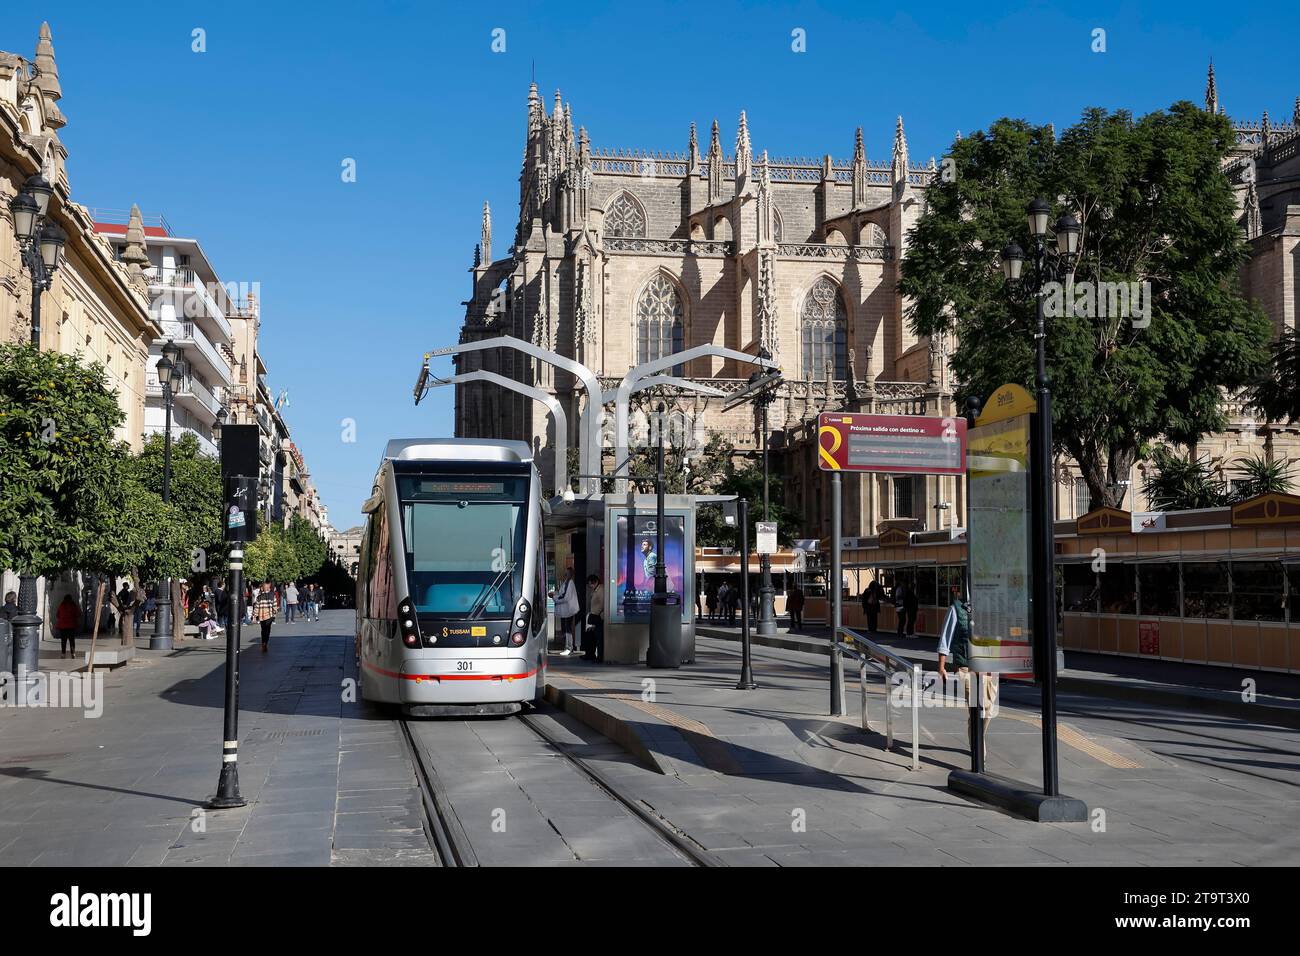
x: 451, y: 588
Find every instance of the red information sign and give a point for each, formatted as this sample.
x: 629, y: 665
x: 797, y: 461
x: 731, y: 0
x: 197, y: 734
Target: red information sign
x: 907, y: 444
x: 1149, y: 637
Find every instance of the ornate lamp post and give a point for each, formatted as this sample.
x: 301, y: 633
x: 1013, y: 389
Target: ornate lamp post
x: 161, y: 640
x: 1048, y: 265
x: 39, y: 242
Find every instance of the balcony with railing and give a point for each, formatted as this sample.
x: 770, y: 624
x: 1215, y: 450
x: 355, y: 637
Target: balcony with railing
x: 186, y: 281
x: 189, y: 393
x: 196, y: 344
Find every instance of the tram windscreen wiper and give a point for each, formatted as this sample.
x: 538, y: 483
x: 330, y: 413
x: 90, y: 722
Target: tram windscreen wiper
x: 481, y: 601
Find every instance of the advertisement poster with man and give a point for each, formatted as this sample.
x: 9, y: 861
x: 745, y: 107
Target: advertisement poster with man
x: 638, y: 557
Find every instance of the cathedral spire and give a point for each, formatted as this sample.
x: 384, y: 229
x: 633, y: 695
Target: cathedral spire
x: 1265, y: 130
x: 485, y: 243
x: 535, y: 111
x: 859, y: 171
x: 693, y: 149
x: 899, y: 166
x: 1211, y: 91
x: 715, y: 165
x: 744, y: 154
x: 47, y: 71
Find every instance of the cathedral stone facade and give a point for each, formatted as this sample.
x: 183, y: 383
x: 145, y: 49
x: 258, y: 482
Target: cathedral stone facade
x: 621, y: 257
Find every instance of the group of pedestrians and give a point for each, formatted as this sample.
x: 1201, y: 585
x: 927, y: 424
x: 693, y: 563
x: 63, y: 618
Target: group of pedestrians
x: 723, y: 602
x: 305, y: 601
x: 905, y: 601
x: 581, y: 633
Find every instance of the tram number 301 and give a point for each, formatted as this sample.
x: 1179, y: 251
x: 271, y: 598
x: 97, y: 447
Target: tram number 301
x: 464, y: 665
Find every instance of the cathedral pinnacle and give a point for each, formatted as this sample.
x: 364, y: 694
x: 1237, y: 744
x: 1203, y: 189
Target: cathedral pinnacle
x: 47, y: 71
x: 485, y: 242
x: 899, y: 165
x: 744, y: 154
x: 859, y: 171
x: 1211, y: 92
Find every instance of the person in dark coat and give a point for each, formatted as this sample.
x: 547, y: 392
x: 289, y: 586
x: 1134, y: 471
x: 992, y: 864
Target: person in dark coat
x: 872, y: 598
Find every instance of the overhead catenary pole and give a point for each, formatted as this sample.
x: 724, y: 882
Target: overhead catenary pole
x: 536, y: 394
x: 589, y: 418
x: 628, y: 385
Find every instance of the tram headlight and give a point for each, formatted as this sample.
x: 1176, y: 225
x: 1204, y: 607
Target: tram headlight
x: 517, y: 639
x: 520, y: 623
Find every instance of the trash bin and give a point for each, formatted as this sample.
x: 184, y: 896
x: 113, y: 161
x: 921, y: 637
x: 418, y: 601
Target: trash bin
x: 665, y: 648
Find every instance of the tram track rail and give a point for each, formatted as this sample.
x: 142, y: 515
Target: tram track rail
x: 658, y: 824
x: 451, y: 843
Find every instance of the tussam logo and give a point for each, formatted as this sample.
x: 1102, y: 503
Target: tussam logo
x: 77, y: 909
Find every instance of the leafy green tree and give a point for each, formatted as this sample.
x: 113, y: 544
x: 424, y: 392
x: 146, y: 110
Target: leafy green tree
x: 1276, y: 392
x: 309, y: 550
x: 747, y: 483
x: 58, y: 454
x: 192, y: 525
x: 1154, y: 207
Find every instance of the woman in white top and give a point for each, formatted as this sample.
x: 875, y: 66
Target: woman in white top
x: 566, y: 609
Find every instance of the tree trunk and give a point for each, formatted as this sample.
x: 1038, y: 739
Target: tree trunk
x: 94, y: 632
x: 1119, y: 467
x: 178, y: 613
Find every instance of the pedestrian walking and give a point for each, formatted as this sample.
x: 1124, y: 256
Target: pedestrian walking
x: 125, y: 605
x: 150, y: 603
x: 10, y: 609
x: 66, y: 618
x: 594, y: 633
x: 905, y: 605
x: 264, y: 612
x: 566, y: 609
x: 711, y: 602
x: 911, y: 605
x: 248, y: 604
x: 290, y: 602
x: 794, y: 602
x: 873, y: 596
x: 954, y: 648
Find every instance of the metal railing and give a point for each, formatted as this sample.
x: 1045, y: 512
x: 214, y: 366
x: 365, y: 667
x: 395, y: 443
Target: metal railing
x: 870, y: 654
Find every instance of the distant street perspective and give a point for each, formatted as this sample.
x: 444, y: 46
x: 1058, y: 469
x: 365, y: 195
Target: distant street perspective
x: 549, y: 470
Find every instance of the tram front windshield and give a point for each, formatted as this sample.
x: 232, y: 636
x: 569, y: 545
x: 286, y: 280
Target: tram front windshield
x: 464, y: 543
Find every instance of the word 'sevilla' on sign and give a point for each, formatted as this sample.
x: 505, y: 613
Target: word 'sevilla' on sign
x: 906, y: 444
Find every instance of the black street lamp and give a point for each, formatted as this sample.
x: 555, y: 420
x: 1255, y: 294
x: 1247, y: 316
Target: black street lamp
x: 161, y: 639
x: 39, y: 242
x: 1047, y: 266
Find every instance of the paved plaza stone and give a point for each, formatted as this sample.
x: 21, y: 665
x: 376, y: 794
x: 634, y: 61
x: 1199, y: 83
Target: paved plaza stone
x: 763, y: 777
x: 327, y: 781
x: 759, y: 777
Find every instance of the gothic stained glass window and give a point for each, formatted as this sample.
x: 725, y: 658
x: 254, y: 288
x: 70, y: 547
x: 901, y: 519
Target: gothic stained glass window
x: 658, y: 321
x: 825, y: 331
x: 625, y: 218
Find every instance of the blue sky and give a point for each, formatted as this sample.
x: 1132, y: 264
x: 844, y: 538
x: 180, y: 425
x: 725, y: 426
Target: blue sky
x: 241, y: 146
